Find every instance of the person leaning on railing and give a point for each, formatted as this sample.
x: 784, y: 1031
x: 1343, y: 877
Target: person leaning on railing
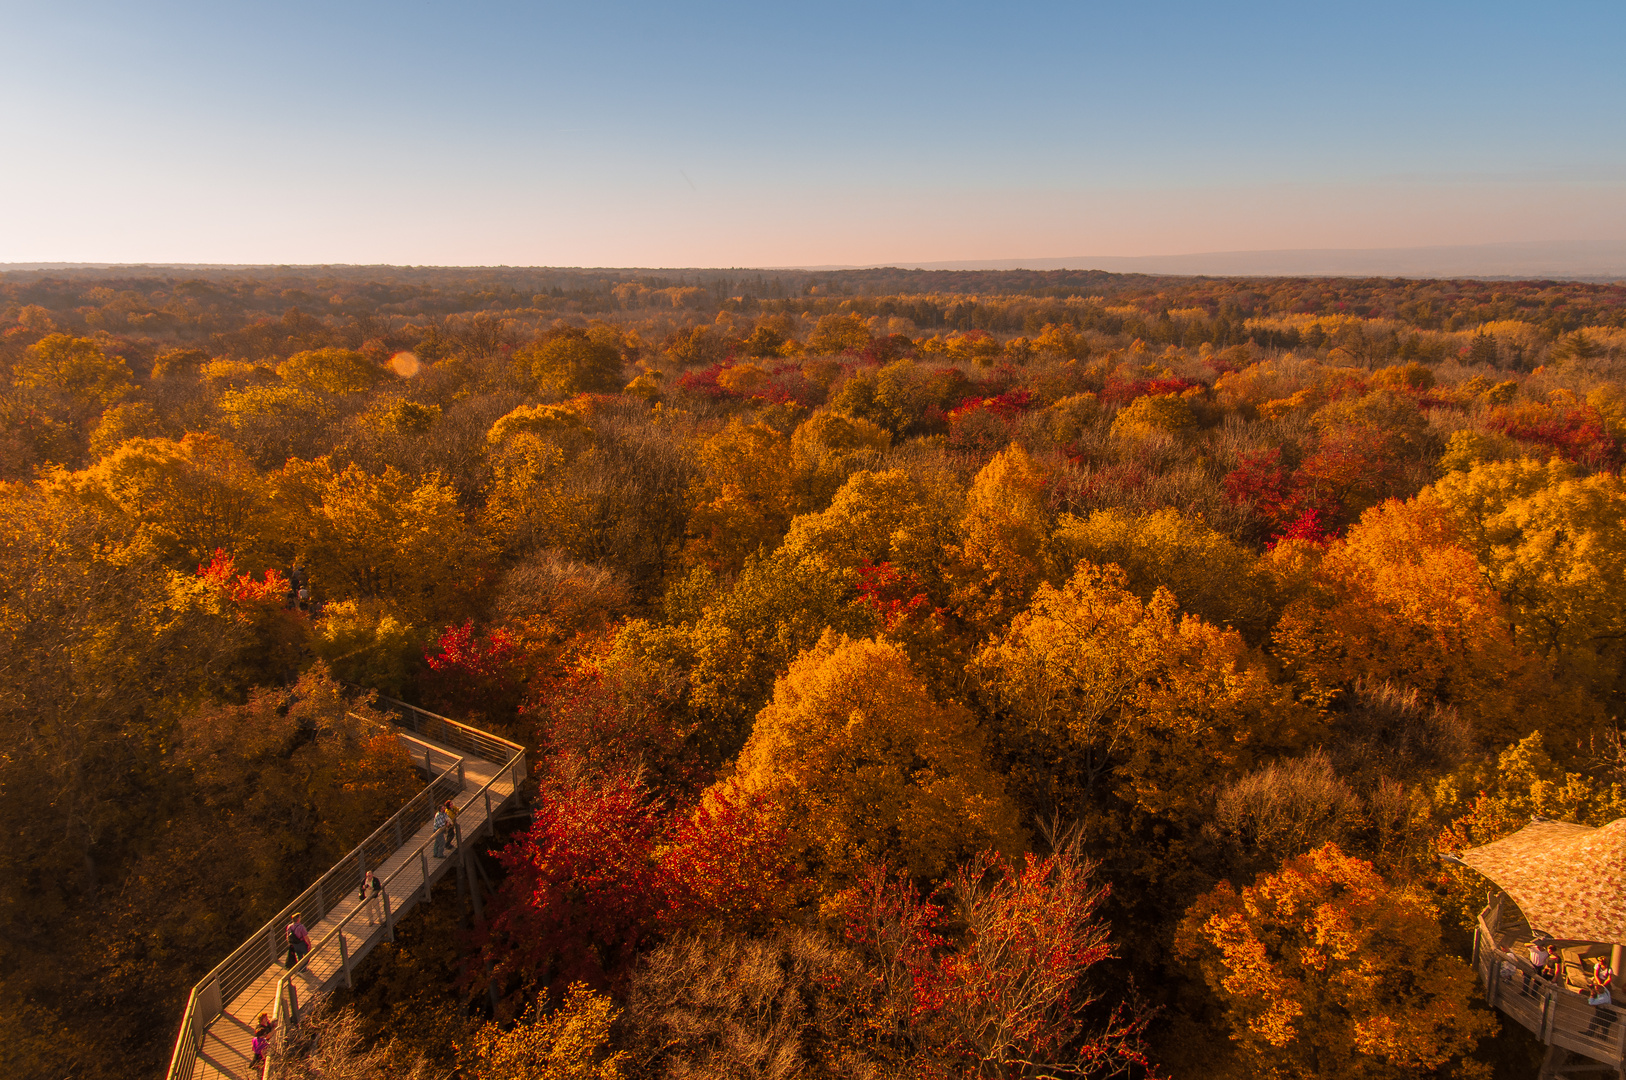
x: 1597, y: 994
x: 261, y: 1044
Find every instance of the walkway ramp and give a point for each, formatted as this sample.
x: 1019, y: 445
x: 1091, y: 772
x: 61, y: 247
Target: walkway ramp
x: 479, y: 772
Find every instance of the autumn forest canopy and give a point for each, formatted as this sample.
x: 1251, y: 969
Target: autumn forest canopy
x: 926, y: 673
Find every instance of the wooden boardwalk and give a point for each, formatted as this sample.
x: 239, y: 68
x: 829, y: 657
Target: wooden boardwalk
x: 478, y: 772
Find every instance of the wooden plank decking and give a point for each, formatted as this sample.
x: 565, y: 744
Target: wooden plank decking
x: 401, y: 854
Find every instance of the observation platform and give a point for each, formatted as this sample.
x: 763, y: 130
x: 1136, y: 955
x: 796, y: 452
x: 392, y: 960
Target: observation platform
x: 1564, y: 884
x: 1581, y: 1039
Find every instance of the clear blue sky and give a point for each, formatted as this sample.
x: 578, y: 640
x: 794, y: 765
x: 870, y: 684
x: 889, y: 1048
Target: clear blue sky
x: 758, y: 134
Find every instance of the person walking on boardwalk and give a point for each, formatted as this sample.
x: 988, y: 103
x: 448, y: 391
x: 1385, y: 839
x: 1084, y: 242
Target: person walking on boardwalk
x: 442, y: 823
x: 371, y: 890
x: 299, y: 940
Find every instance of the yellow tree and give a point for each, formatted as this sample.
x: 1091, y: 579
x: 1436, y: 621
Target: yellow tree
x: 1099, y: 695
x: 74, y: 372
x: 879, y: 517
x: 746, y: 498
x: 185, y: 498
x: 570, y: 361
x: 387, y: 536
x: 1326, y: 972
x: 526, y: 504
x: 1154, y: 414
x: 837, y: 334
x: 827, y: 448
x: 1211, y: 575
x: 1550, y: 541
x: 571, y: 1043
x: 1001, y: 553
x: 868, y: 767
x: 331, y: 371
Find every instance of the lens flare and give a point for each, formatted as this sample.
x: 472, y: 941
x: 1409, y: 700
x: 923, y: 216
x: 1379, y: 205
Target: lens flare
x: 404, y: 364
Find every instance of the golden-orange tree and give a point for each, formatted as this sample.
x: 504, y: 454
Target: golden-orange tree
x: 867, y: 766
x: 1102, y: 700
x: 1550, y: 542
x: 184, y: 498
x: 746, y: 499
x: 1402, y: 600
x: 1002, y: 556
x: 1326, y: 971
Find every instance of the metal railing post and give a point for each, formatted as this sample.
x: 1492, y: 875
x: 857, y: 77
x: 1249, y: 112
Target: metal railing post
x: 344, y: 960
x: 398, y: 840
x: 423, y: 861
x: 389, y: 917
x: 209, y: 1003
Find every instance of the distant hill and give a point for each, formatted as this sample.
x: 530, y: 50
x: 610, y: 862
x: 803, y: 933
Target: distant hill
x: 1514, y: 260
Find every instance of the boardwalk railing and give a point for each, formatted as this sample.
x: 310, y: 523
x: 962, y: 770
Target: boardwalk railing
x: 266, y: 946
x: 396, y: 902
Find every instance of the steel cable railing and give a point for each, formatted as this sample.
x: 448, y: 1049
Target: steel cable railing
x: 263, y: 949
x: 503, y: 784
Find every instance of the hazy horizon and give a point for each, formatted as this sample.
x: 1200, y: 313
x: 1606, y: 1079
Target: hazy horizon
x: 1493, y: 261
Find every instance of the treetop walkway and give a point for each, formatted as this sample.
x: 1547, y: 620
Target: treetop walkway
x: 479, y: 772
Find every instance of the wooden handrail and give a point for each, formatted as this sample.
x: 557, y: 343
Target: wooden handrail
x: 345, y: 921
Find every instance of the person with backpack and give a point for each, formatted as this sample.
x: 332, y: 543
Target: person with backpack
x: 299, y: 940
x: 371, y: 890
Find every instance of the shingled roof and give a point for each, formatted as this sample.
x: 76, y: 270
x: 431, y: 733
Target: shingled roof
x: 1568, y: 879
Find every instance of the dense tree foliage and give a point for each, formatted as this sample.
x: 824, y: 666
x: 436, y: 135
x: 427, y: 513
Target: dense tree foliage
x: 927, y: 673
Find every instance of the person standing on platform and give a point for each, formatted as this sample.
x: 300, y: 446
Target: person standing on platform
x: 442, y: 823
